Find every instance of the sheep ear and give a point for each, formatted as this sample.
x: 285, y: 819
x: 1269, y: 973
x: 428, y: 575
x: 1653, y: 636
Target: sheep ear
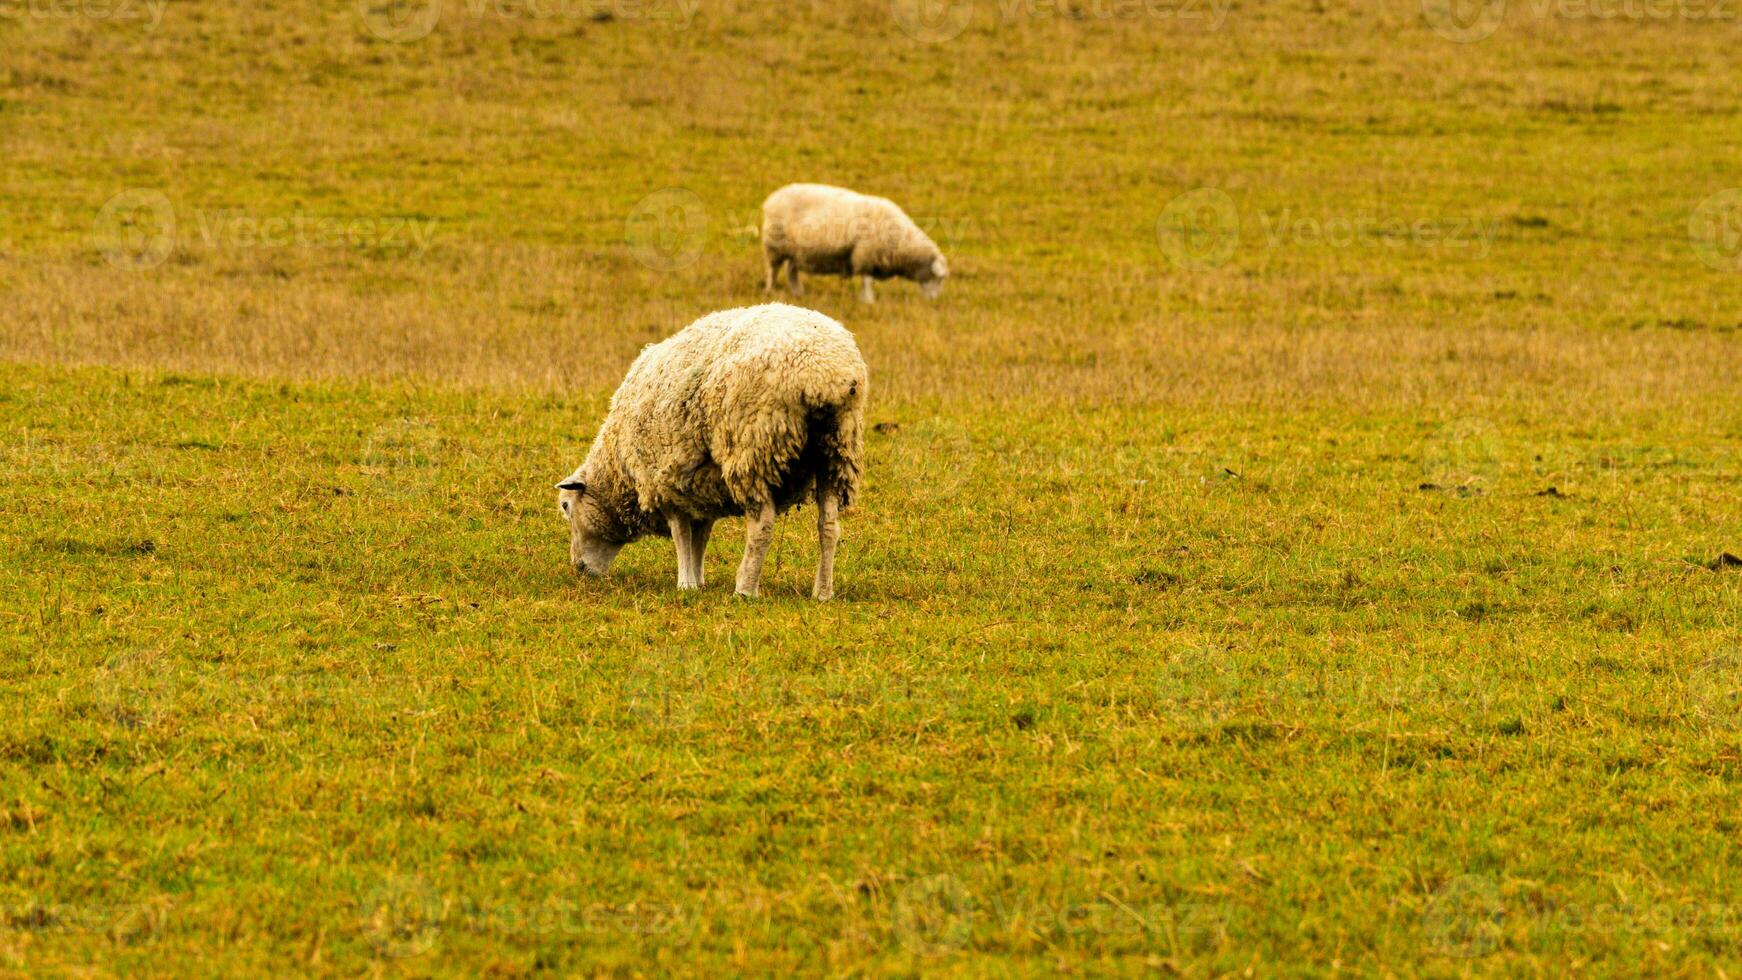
x: 575, y: 485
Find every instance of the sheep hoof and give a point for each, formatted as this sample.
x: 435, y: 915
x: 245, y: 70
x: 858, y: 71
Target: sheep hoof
x: 824, y: 596
x: 745, y: 595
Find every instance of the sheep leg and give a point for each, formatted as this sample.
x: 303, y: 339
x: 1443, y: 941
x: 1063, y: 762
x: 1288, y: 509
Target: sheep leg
x: 681, y: 536
x: 866, y: 293
x: 773, y: 262
x: 758, y: 532
x: 792, y: 283
x: 828, y: 534
x: 699, y: 533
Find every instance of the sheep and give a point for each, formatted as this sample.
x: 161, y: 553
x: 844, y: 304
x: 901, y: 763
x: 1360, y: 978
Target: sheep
x: 743, y: 413
x: 833, y: 231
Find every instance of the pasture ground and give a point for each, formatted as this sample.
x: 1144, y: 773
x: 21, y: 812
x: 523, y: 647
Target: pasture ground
x: 1292, y: 544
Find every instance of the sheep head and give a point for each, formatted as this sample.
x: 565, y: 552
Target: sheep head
x: 932, y: 283
x: 592, y: 545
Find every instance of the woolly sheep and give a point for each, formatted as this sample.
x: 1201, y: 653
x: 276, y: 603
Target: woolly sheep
x: 744, y: 412
x: 832, y: 231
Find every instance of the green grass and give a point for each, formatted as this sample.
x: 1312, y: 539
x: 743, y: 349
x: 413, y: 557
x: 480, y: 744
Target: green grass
x: 302, y: 680
x: 1204, y: 617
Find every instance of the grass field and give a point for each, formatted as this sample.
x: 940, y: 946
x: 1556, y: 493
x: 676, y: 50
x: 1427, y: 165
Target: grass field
x: 1293, y: 544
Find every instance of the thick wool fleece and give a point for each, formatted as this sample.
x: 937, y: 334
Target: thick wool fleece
x: 833, y: 231
x: 739, y: 409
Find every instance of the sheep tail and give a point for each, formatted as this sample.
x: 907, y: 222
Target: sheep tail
x: 837, y: 433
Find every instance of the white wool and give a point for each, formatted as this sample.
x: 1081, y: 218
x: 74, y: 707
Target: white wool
x: 744, y: 412
x: 823, y: 230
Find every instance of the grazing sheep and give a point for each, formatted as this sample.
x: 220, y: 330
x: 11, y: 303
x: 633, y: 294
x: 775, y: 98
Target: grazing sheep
x: 744, y: 412
x: 831, y: 231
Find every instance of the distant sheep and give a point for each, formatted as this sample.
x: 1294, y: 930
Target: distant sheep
x: 744, y: 412
x: 832, y: 231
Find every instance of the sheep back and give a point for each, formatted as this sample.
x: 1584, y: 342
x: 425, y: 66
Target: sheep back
x: 834, y: 231
x: 740, y: 407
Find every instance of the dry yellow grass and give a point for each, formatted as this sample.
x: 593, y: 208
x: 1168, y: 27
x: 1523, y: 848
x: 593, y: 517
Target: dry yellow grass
x: 1288, y: 546
x: 497, y: 321
x: 1042, y: 148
